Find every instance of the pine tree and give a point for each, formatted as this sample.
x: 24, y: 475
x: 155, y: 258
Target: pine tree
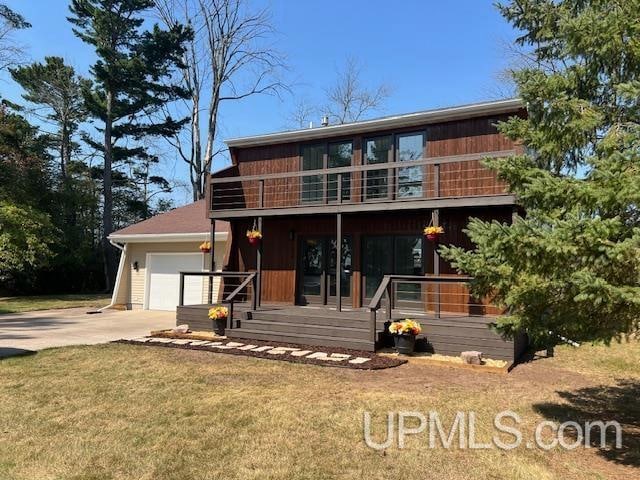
x: 569, y: 267
x: 131, y: 85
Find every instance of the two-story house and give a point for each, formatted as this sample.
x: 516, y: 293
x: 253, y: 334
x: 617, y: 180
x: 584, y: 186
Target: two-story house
x: 342, y: 208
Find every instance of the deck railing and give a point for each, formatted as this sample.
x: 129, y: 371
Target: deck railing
x: 426, y: 178
x: 439, y: 295
x: 241, y: 291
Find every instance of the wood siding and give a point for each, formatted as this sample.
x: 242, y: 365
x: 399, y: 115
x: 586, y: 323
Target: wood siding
x: 282, y: 237
x: 458, y: 179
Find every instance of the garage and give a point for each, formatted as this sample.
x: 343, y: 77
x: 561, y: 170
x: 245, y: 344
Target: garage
x: 163, y: 280
x: 155, y: 250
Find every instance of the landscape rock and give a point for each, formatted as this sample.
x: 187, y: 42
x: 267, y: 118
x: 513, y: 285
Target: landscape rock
x: 472, y: 357
x: 181, y: 329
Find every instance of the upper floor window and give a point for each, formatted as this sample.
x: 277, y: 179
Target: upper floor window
x: 377, y: 150
x: 340, y: 155
x: 326, y: 156
x: 312, y: 185
x: 410, y: 147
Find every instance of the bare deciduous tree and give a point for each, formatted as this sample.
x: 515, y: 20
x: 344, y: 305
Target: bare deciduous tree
x: 348, y: 100
x: 302, y: 114
x: 229, y: 58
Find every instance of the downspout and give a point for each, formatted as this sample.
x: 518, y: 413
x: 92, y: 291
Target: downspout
x: 116, y: 286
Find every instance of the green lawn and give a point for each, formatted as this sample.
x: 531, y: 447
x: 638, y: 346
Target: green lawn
x: 46, y: 302
x: 135, y: 412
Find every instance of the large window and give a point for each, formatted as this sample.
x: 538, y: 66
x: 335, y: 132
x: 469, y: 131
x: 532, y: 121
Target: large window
x: 313, y: 158
x: 410, y: 147
x: 386, y: 255
x: 340, y: 155
x: 377, y: 150
x: 312, y: 185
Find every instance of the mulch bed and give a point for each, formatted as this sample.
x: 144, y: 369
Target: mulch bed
x: 377, y: 362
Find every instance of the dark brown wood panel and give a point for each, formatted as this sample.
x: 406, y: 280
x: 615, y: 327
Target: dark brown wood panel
x: 470, y: 178
x: 281, y: 237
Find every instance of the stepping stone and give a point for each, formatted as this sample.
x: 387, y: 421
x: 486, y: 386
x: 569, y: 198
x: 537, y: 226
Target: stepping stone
x: 334, y: 357
x: 263, y: 348
x: 199, y: 342
x: 235, y: 344
x: 140, y: 339
x: 300, y: 353
x: 248, y: 347
x: 181, y: 341
x: 359, y: 360
x: 161, y: 340
x: 282, y: 350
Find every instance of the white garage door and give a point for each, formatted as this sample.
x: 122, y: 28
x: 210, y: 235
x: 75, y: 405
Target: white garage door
x: 164, y: 280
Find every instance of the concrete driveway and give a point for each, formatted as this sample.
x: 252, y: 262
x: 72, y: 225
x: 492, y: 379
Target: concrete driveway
x: 24, y: 332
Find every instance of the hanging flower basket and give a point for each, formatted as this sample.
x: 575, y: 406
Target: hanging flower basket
x: 433, y: 233
x: 254, y: 237
x: 219, y: 315
x: 205, y: 247
x: 404, y: 335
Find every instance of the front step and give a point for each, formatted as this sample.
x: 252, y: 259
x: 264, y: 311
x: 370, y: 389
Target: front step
x: 302, y: 339
x: 350, y: 331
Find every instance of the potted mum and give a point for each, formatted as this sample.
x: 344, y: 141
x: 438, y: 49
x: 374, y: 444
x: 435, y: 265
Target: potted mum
x: 254, y: 237
x: 219, y: 315
x: 205, y: 247
x: 404, y: 335
x: 433, y: 233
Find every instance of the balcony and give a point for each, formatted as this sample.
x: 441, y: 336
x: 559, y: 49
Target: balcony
x: 451, y: 181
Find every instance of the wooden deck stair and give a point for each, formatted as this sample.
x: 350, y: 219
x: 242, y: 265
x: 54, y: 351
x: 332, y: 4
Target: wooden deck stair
x: 320, y: 327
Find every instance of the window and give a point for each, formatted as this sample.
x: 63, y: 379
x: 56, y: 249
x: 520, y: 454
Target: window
x: 312, y: 185
x: 340, y: 155
x: 392, y: 254
x: 313, y: 158
x: 410, y: 147
x: 377, y: 150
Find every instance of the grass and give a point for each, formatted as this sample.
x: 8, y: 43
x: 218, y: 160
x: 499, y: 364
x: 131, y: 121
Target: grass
x: 134, y: 412
x: 48, y: 302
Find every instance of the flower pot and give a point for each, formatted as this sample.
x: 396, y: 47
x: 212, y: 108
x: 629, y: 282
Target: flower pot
x: 405, y: 344
x: 255, y: 241
x: 432, y: 237
x: 219, y: 325
x: 205, y: 250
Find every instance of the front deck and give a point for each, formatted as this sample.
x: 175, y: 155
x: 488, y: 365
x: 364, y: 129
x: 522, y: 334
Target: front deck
x: 448, y: 334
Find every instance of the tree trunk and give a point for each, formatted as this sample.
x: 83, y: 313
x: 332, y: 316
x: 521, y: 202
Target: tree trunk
x: 107, y: 211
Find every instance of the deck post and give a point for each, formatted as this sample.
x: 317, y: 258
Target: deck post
x: 372, y: 326
x: 258, y: 291
x: 212, y: 261
x: 435, y: 219
x: 389, y: 295
x: 339, y: 250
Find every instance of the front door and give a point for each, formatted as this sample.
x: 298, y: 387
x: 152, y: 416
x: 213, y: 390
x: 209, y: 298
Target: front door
x: 318, y: 268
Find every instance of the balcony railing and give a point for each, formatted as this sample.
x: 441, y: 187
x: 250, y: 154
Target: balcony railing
x: 428, y: 178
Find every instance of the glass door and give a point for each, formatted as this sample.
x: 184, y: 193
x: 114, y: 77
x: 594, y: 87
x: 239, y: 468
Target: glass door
x: 387, y: 255
x: 345, y: 274
x: 312, y: 272
x: 317, y: 273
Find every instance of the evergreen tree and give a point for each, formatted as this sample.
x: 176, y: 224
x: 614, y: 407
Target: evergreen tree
x: 571, y: 266
x: 131, y: 85
x: 54, y: 90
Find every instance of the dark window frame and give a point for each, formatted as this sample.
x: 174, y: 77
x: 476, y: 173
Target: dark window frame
x: 392, y: 179
x: 325, y: 171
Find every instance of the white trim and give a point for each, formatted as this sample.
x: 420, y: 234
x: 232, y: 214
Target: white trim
x: 396, y: 121
x: 147, y: 273
x: 166, y: 237
x: 116, y: 287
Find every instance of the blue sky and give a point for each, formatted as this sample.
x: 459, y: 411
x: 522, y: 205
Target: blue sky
x: 431, y: 53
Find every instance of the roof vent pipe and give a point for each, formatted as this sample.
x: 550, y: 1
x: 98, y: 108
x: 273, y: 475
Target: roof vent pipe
x: 325, y: 121
x: 310, y: 124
